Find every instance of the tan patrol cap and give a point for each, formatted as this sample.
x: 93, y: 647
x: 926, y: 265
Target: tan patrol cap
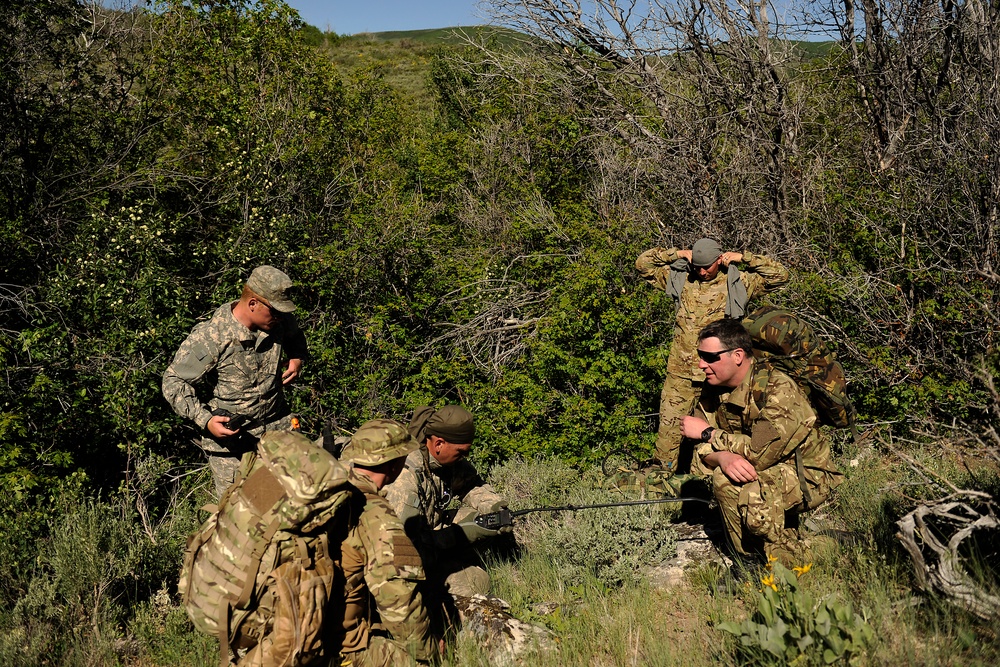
x: 379, y: 441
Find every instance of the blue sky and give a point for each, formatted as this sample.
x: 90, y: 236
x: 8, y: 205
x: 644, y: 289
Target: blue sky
x: 348, y: 17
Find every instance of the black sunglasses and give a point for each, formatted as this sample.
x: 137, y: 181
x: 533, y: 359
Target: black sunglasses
x: 276, y: 314
x: 712, y: 357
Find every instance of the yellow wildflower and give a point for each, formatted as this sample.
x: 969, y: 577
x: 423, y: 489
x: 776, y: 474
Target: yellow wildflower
x: 769, y: 581
x: 802, y: 569
x: 770, y: 560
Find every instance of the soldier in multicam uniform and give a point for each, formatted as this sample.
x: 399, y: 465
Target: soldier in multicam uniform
x: 435, y: 475
x: 704, y: 293
x: 761, y: 439
x: 379, y: 562
x: 240, y: 349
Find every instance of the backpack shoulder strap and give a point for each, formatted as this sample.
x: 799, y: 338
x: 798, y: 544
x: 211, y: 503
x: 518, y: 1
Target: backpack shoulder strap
x: 758, y: 391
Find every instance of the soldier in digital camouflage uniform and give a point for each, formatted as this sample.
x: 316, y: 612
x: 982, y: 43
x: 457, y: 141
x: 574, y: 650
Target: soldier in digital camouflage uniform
x: 381, y: 618
x: 239, y: 351
x: 761, y: 439
x: 706, y: 285
x: 436, y: 475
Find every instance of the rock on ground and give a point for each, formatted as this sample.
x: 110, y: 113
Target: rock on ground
x: 697, y: 546
x: 509, y: 641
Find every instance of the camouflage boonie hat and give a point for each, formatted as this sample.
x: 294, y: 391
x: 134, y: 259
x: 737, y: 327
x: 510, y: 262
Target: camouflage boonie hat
x: 379, y: 441
x: 273, y: 286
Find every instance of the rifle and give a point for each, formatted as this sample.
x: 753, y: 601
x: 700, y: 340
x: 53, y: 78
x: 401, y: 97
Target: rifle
x: 505, y: 517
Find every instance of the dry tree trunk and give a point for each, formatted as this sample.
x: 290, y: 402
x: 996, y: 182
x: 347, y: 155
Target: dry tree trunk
x: 937, y: 533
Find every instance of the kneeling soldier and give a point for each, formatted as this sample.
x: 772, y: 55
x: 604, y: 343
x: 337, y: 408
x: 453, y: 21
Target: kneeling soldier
x: 379, y: 562
x: 762, y: 441
x: 436, y: 475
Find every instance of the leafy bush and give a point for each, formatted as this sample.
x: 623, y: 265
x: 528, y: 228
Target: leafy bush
x: 98, y: 565
x: 790, y: 628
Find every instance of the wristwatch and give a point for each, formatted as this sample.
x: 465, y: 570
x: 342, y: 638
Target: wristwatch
x: 706, y: 435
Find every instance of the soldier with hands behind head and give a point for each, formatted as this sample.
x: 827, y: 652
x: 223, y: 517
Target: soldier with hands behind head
x: 706, y: 285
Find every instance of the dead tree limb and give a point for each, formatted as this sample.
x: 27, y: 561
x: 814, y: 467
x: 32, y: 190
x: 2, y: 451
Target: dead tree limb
x: 933, y: 534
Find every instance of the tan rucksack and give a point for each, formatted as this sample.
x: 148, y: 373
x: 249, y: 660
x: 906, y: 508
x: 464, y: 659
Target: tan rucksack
x: 262, y: 555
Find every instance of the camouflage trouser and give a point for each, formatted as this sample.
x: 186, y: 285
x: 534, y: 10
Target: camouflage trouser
x: 754, y: 513
x: 677, y: 399
x: 224, y: 455
x: 381, y: 652
x: 647, y: 483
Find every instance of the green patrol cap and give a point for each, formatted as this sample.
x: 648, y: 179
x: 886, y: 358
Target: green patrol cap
x: 273, y: 286
x: 704, y: 252
x: 379, y: 441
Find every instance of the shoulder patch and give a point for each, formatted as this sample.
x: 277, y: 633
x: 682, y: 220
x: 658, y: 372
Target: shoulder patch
x: 404, y: 553
x: 263, y: 490
x: 762, y: 434
x: 200, y: 351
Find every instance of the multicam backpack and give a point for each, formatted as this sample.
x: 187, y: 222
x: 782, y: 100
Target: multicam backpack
x: 784, y: 341
x: 263, y: 552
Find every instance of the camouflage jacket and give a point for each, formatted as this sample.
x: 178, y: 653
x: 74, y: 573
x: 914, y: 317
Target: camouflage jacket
x: 424, y: 491
x: 244, y: 367
x: 380, y: 565
x: 767, y: 434
x: 702, y: 303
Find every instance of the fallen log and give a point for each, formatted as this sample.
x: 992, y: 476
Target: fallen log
x: 941, y: 535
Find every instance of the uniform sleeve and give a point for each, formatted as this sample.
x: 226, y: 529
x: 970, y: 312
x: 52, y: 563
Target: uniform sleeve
x: 473, y: 490
x: 705, y: 448
x: 762, y: 274
x: 403, y: 494
x: 781, y: 427
x: 293, y: 340
x: 196, y: 356
x: 393, y: 573
x: 654, y: 266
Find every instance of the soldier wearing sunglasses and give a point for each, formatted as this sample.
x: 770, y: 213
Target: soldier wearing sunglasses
x: 760, y: 437
x: 707, y: 285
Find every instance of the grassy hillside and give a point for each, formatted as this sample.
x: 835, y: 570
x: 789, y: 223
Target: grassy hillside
x: 402, y: 58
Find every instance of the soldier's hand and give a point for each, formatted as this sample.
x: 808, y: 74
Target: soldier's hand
x: 497, y: 506
x: 728, y: 258
x: 292, y: 372
x: 692, y: 427
x: 474, y: 532
x: 217, y: 427
x: 684, y: 254
x: 737, y: 468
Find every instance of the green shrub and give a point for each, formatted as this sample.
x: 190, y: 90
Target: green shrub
x: 790, y: 628
x: 612, y: 545
x: 98, y: 565
x: 165, y: 636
